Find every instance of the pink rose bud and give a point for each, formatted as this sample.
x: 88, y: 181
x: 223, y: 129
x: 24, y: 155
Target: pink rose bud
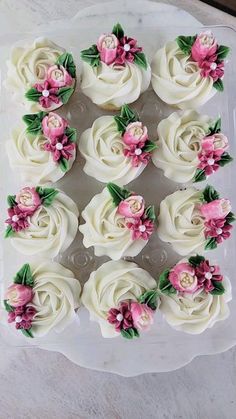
x: 135, y: 133
x: 57, y: 76
x: 28, y: 200
x: 107, y: 46
x: 215, y: 210
x: 204, y: 46
x: 18, y: 295
x: 218, y: 142
x: 132, y: 207
x: 182, y: 277
x: 53, y: 125
x: 142, y: 316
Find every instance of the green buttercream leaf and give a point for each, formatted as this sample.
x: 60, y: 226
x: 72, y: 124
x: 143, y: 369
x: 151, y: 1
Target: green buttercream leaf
x: 210, y: 194
x: 196, y: 260
x: 118, y: 31
x: 24, y: 276
x: 199, y: 175
x: 150, y: 212
x: 165, y: 285
x: 11, y: 201
x: 150, y: 298
x: 27, y: 332
x: 149, y: 146
x: 64, y: 93
x: 225, y: 159
x: 64, y: 165
x: 47, y: 195
x: 141, y: 60
x: 9, y: 232
x: 71, y: 134
x: 34, y: 122
x: 218, y: 85
x: 7, y: 306
x: 222, y: 52
x: 67, y: 61
x: 91, y: 56
x: 126, y: 116
x: 219, y: 288
x: 33, y: 95
x: 211, y: 244
x: 185, y: 43
x: 117, y: 193
x: 130, y: 333
x: 230, y: 218
x: 215, y: 127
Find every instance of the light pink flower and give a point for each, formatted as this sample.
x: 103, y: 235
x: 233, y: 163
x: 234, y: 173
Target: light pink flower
x: 107, y: 46
x: 120, y: 317
x: 135, y: 133
x: 60, y: 147
x: 217, y: 229
x: 28, y: 200
x: 57, y: 76
x: 132, y: 207
x: 204, y: 46
x: 216, y: 209
x: 18, y: 220
x: 141, y: 228
x: 18, y: 295
x: 217, y: 142
x: 126, y: 50
x: 142, y: 316
x: 48, y: 94
x: 53, y: 125
x: 182, y: 277
x: 211, y: 68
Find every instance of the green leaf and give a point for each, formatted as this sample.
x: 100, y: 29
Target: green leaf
x: 47, y: 195
x: 7, y: 306
x: 11, y: 201
x: 9, y: 232
x: 149, y: 298
x: 121, y: 123
x: 230, y: 218
x: 34, y: 122
x: 27, y: 332
x: 165, y: 285
x: 66, y: 60
x: 222, y: 52
x: 211, y: 244
x: 33, y: 95
x: 64, y: 93
x: 196, y: 260
x: 140, y: 60
x: 219, y: 288
x: 118, y: 31
x: 118, y: 194
x: 218, y: 85
x: 91, y: 56
x: 215, y: 127
x: 24, y: 276
x: 149, y: 146
x: 150, y: 212
x: 199, y: 175
x: 185, y: 43
x: 127, y: 113
x: 130, y: 333
x: 64, y: 165
x: 225, y: 159
x: 210, y: 194
x: 71, y: 134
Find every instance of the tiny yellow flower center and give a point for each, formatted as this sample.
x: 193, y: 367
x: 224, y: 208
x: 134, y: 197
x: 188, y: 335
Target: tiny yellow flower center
x: 53, y: 122
x: 137, y: 132
x: 108, y: 42
x: 57, y: 74
x: 186, y: 280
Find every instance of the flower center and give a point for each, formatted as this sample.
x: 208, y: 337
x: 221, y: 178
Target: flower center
x: 142, y: 228
x: 15, y: 218
x: 108, y: 43
x: 210, y: 162
x: 144, y: 318
x: 119, y: 317
x: 186, y: 280
x: 219, y: 231
x: 59, y: 146
x: 57, y: 74
x: 137, y: 132
x: 26, y: 199
x: 208, y: 275
x: 53, y: 122
x: 18, y: 319
x: 126, y: 47
x: 138, y: 151
x: 45, y: 93
x: 213, y: 66
x: 135, y: 206
x: 207, y: 40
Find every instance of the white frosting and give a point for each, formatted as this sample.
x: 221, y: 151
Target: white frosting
x: 105, y: 229
x: 179, y: 142
x: 51, y: 229
x: 27, y: 66
x: 112, y: 283
x: 177, y: 80
x: 102, y: 146
x: 113, y: 85
x: 194, y: 313
x: 180, y: 222
x: 27, y: 156
x: 56, y: 296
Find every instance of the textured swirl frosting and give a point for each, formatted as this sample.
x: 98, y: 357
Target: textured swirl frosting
x: 106, y: 230
x: 180, y: 221
x: 56, y: 296
x: 51, y: 228
x: 27, y: 155
x: 193, y: 313
x: 102, y: 146
x: 28, y: 65
x: 179, y: 142
x: 177, y: 80
x: 111, y: 86
x: 112, y: 283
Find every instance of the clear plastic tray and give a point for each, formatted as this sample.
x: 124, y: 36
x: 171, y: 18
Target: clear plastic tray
x: 163, y: 348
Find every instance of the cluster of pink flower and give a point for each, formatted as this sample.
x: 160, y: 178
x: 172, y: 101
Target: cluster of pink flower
x: 135, y: 137
x: 117, y: 51
x: 216, y: 225
x: 204, y: 52
x: 133, y: 209
x: 213, y: 146
x: 130, y: 314
x: 18, y: 297
x: 53, y: 127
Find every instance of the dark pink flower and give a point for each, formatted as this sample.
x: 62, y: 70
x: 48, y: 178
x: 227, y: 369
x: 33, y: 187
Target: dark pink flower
x: 218, y: 229
x: 126, y: 50
x: 121, y: 317
x: 60, y: 147
x: 17, y: 219
x: 208, y: 160
x: 141, y: 228
x: 49, y: 94
x: 22, y: 316
x: 211, y: 68
x: 136, y: 153
x: 206, y: 273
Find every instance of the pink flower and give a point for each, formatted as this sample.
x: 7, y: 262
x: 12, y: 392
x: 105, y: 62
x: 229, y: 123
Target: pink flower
x: 135, y: 133
x: 107, y: 46
x: 217, y: 142
x: 126, y: 50
x: 28, y: 200
x: 216, y: 209
x: 142, y: 316
x: 60, y: 148
x: 182, y: 277
x: 204, y: 46
x: 17, y: 219
x: 137, y: 154
x: 211, y: 68
x: 22, y: 316
x: 53, y: 125
x: 57, y: 76
x: 208, y: 160
x: 132, y: 207
x: 120, y: 317
x: 218, y: 229
x: 49, y: 94
x: 18, y: 295
x: 141, y: 228
x: 206, y: 274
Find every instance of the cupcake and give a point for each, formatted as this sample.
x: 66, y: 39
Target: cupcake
x: 122, y: 298
x: 41, y: 221
x: 115, y: 70
x: 117, y: 223
x: 192, y: 220
x: 194, y: 295
x: 116, y: 148
x: 42, y: 76
x: 188, y: 71
x: 42, y: 298
x: 44, y: 151
x: 190, y: 147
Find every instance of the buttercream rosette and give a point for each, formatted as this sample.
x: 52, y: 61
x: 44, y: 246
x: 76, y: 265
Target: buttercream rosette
x: 41, y: 221
x: 122, y: 298
x: 44, y: 151
x: 116, y: 148
x: 194, y: 295
x: 117, y: 223
x: 42, y: 298
x: 42, y: 76
x: 188, y: 71
x: 192, y: 220
x: 115, y: 70
x: 190, y: 147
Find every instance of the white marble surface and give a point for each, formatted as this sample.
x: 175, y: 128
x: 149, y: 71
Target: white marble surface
x: 36, y: 383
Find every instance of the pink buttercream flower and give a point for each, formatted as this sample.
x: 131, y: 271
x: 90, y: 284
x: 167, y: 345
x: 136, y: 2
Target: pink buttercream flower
x: 136, y: 153
x: 22, y: 316
x: 142, y: 316
x: 208, y: 160
x: 218, y: 229
x: 18, y: 295
x: 204, y: 46
x: 132, y: 207
x: 135, y: 133
x: 53, y: 125
x: 49, y: 94
x: 126, y: 50
x: 217, y: 142
x: 141, y: 228
x: 182, y: 277
x: 217, y: 209
x: 18, y: 220
x: 60, y: 147
x: 206, y: 274
x: 211, y: 68
x: 107, y: 46
x: 57, y: 76
x: 120, y: 317
x: 28, y: 200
